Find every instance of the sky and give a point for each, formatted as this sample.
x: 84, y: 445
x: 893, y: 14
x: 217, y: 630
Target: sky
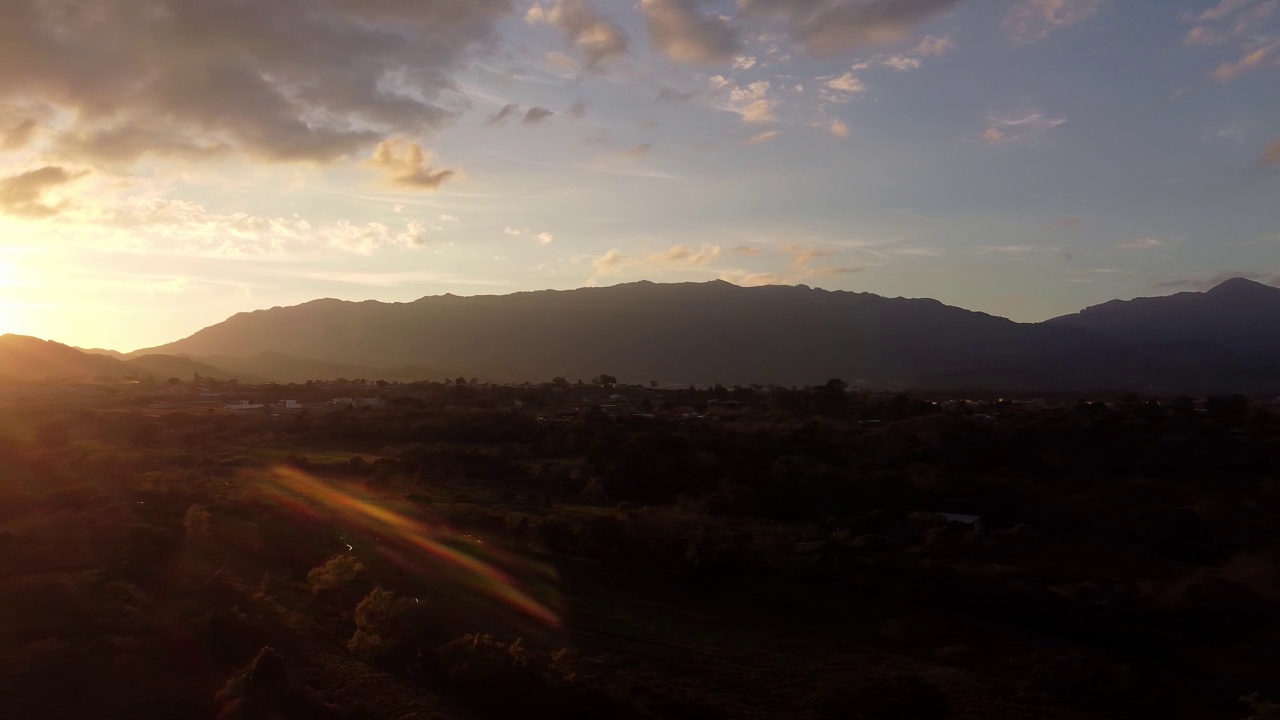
x: 165, y: 164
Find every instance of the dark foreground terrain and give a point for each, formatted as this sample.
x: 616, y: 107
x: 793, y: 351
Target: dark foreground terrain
x: 569, y: 550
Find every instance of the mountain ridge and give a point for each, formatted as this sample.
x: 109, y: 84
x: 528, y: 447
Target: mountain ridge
x: 720, y: 332
x: 1220, y: 340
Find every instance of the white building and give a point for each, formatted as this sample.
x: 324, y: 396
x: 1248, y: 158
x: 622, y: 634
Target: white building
x: 244, y: 405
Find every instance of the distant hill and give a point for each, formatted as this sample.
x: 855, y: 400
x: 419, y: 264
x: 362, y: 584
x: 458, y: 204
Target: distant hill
x: 162, y: 367
x: 278, y: 367
x: 103, y: 351
x: 1239, y: 314
x: 718, y: 332
x: 24, y: 358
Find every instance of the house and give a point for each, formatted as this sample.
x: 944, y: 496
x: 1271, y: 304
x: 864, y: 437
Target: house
x: 245, y: 405
x: 972, y: 521
x: 289, y: 405
x: 343, y: 403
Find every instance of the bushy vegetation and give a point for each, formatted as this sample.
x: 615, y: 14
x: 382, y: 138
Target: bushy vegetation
x: 717, y: 552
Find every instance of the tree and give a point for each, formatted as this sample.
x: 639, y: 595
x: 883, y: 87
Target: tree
x: 386, y: 626
x: 603, y: 380
x: 337, y: 572
x: 560, y: 382
x: 460, y: 381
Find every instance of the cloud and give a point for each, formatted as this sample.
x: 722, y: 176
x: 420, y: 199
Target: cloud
x: 536, y: 115
x: 501, y: 116
x: 751, y: 101
x: 754, y: 279
x: 1142, y: 244
x: 545, y: 238
x: 577, y: 110
x: 830, y: 27
x: 287, y: 80
x: 1221, y: 10
x: 18, y: 135
x: 1270, y: 156
x: 902, y: 62
x: 801, y: 257
x: 760, y: 111
x: 1230, y: 22
x: 406, y: 164
x: 746, y: 250
x: 512, y: 231
x: 1244, y: 23
x: 610, y: 263
x: 25, y: 193
x: 839, y: 128
x: 561, y: 61
x: 763, y: 137
x: 671, y: 95
x: 129, y: 218
x: 847, y: 83
x: 637, y: 152
x: 1004, y: 130
x: 799, y: 268
x: 913, y: 59
x: 685, y: 255
x: 684, y: 35
x: 1066, y: 223
x: 932, y: 46
x: 595, y: 37
x: 1030, y: 21
x: 743, y: 62
x: 1265, y: 56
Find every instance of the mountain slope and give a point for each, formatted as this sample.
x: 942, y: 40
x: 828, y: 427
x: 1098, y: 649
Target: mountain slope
x: 278, y: 367
x: 25, y: 358
x: 1238, y: 314
x: 162, y: 367
x: 687, y: 333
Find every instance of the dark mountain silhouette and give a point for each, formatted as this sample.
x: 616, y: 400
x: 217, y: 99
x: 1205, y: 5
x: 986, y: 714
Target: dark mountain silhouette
x: 162, y: 367
x: 279, y: 367
x: 103, y: 351
x: 26, y: 358
x: 1224, y: 340
x: 718, y: 332
x: 1238, y: 314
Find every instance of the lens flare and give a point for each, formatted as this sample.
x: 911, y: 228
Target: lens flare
x: 301, y: 493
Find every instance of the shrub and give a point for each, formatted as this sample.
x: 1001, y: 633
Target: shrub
x: 264, y: 690
x: 387, y: 627
x: 514, y: 678
x: 197, y: 521
x: 338, y: 572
